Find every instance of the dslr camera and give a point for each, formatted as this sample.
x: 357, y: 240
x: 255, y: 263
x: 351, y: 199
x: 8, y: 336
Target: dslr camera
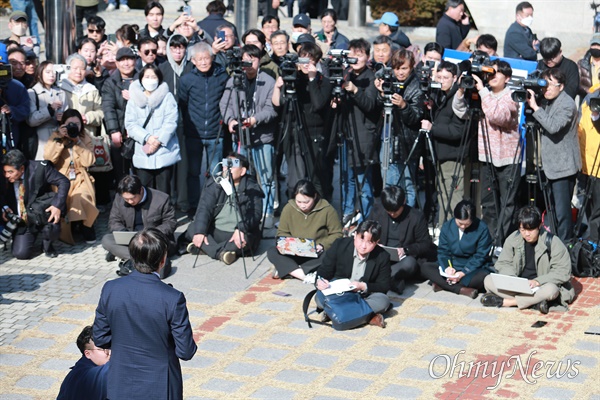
x: 72, y: 130
x: 10, y: 227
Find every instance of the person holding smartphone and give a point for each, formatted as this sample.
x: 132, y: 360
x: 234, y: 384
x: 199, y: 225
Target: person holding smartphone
x: 454, y: 25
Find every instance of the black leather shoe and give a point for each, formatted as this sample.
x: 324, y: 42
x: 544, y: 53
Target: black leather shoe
x: 491, y: 300
x: 469, y: 292
x: 110, y: 257
x: 542, y: 307
x: 50, y: 252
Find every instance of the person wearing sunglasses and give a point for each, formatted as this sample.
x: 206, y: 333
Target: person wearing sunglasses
x: 88, y: 377
x: 148, y: 53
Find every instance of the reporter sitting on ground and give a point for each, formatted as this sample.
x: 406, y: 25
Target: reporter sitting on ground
x: 365, y: 264
x: 306, y: 216
x: 463, y: 252
x: 220, y: 229
x: 88, y: 377
x: 526, y: 254
x: 72, y: 153
x: 136, y: 208
x: 404, y: 228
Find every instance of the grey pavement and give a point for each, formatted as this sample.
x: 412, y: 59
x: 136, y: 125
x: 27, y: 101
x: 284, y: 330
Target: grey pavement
x: 255, y: 344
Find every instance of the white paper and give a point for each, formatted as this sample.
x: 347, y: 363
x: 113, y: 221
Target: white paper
x: 339, y: 286
x: 445, y: 275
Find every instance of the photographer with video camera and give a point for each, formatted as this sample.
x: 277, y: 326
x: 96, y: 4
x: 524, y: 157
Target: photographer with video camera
x: 248, y: 111
x: 399, y: 88
x: 497, y: 142
x: 303, y: 138
x: 446, y: 129
x: 561, y: 158
x: 360, y: 113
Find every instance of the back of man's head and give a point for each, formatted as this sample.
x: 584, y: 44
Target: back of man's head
x: 392, y: 198
x: 84, y: 338
x: 148, y: 250
x: 216, y: 7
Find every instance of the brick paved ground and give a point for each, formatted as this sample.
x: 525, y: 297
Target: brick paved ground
x: 254, y: 344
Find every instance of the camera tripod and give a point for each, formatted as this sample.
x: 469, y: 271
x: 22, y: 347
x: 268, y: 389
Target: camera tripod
x: 345, y: 132
x: 294, y: 139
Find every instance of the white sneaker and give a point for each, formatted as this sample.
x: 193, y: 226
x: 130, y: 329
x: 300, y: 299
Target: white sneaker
x: 124, y: 8
x: 111, y: 7
x: 311, y: 278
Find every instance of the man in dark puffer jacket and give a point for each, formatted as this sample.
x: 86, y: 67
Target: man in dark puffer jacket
x: 198, y: 96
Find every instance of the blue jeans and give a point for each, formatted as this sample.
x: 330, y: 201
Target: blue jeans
x: 27, y: 7
x: 195, y: 147
x: 262, y: 156
x: 393, y: 176
x: 363, y: 174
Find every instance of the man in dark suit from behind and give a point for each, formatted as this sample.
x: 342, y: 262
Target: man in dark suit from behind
x: 87, y: 378
x: 365, y: 263
x: 27, y: 192
x: 145, y: 323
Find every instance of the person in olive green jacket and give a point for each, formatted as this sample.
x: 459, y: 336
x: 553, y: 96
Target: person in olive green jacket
x: 525, y: 254
x: 310, y: 217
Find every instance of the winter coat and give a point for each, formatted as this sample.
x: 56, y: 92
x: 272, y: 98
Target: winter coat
x: 40, y: 115
x: 338, y: 41
x: 86, y: 99
x: 171, y: 70
x: 81, y: 200
x: 447, y: 129
x: 560, y: 146
x: 589, y: 138
x: 518, y: 43
x: 551, y: 268
x: 162, y: 124
x: 113, y: 103
x: 322, y: 223
x: 450, y: 33
x: 501, y: 122
x: 198, y: 97
x: 262, y: 109
x: 585, y: 74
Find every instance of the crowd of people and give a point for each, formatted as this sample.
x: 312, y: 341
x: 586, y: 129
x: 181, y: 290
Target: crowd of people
x: 196, y: 117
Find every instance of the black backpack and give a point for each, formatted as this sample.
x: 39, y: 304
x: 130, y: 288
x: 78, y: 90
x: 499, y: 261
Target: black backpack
x: 585, y: 258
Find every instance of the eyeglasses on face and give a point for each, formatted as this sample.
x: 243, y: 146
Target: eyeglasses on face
x: 90, y: 30
x: 148, y: 51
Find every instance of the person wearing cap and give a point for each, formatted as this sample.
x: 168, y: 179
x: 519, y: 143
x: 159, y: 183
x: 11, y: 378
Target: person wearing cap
x: 17, y: 23
x: 301, y: 25
x: 115, y: 94
x: 389, y: 25
x: 14, y: 103
x: 454, y: 25
x: 31, y: 9
x: 589, y: 67
x: 329, y: 34
x: 552, y: 57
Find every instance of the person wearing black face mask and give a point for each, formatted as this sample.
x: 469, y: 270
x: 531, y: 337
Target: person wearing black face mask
x: 136, y: 208
x: 589, y: 67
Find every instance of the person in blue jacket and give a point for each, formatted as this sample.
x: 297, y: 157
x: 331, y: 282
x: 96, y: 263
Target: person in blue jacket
x: 463, y: 254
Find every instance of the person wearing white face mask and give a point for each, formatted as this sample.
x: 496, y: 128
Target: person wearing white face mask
x: 520, y: 42
x: 151, y: 120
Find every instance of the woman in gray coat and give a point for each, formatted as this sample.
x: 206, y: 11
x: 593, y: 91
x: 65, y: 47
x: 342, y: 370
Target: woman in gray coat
x: 151, y: 120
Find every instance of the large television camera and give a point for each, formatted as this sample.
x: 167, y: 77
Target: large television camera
x: 425, y: 76
x: 234, y: 61
x: 520, y: 86
x: 479, y: 64
x: 337, y: 62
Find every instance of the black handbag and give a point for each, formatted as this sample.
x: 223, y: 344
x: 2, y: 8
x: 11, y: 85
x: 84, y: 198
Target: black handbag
x: 128, y: 146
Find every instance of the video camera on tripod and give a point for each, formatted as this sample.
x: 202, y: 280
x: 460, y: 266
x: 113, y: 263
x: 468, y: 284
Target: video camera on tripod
x: 236, y: 65
x: 479, y: 64
x: 289, y: 71
x: 390, y: 84
x: 425, y: 75
x: 519, y: 87
x: 336, y: 63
